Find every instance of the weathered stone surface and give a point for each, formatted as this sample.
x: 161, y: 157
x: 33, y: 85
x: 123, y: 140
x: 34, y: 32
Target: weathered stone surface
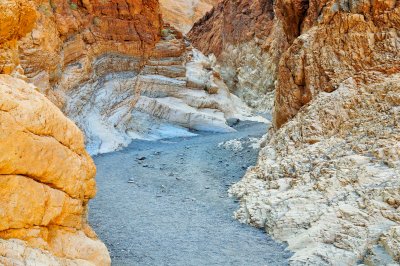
x: 247, y: 40
x: 357, y: 40
x: 98, y: 60
x: 327, y: 180
x: 47, y: 178
x: 17, y: 18
x: 173, y: 90
x: 73, y: 34
x: 182, y: 14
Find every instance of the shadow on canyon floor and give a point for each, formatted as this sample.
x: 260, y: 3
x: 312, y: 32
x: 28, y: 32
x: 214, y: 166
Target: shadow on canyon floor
x: 166, y: 203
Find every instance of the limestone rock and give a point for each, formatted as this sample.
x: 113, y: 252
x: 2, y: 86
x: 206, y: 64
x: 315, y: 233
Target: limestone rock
x: 47, y: 181
x: 17, y: 18
x: 328, y: 182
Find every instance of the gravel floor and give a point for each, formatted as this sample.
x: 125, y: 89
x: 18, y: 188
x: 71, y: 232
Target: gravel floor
x: 166, y: 203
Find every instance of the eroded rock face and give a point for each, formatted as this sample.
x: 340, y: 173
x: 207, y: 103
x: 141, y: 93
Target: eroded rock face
x: 173, y: 90
x: 17, y: 18
x: 327, y: 180
x: 106, y: 65
x: 357, y: 39
x: 47, y: 179
x: 70, y: 35
x: 182, y: 14
x: 247, y: 40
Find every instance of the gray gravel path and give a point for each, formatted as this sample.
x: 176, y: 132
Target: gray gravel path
x: 175, y: 209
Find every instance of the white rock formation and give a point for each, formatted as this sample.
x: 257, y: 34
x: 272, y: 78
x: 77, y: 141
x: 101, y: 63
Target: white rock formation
x: 328, y: 182
x: 167, y: 97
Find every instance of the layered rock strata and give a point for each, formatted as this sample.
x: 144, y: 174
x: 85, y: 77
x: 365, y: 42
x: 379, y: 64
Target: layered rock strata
x: 120, y: 74
x: 173, y: 90
x: 247, y: 41
x: 327, y: 180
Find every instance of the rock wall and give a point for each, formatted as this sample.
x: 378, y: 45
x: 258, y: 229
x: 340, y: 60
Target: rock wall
x: 182, y: 14
x: 47, y: 179
x: 247, y: 41
x: 327, y: 179
x: 120, y: 74
x: 69, y: 36
x: 357, y: 39
x: 175, y: 90
x: 17, y: 17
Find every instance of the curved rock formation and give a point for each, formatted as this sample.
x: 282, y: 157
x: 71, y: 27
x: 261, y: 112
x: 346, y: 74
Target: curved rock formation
x: 47, y: 179
x: 182, y: 14
x: 327, y: 180
x: 173, y: 90
x: 247, y: 40
x: 106, y: 65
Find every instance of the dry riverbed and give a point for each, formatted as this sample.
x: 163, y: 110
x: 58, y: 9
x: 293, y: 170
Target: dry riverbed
x: 166, y: 203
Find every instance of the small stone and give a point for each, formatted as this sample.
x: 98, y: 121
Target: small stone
x: 232, y: 121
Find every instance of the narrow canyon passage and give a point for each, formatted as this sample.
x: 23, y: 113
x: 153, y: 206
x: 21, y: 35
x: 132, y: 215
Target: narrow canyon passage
x: 166, y: 203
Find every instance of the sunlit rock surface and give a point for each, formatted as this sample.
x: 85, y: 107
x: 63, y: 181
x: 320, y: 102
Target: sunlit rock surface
x: 182, y: 14
x: 47, y: 179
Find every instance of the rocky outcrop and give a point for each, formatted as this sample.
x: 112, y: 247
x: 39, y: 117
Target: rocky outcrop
x: 106, y: 66
x: 173, y: 90
x: 47, y: 179
x: 247, y: 40
x: 327, y: 180
x: 182, y: 14
x: 70, y: 36
x: 17, y: 18
x: 356, y: 39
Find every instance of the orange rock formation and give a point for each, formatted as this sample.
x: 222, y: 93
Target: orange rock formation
x: 182, y: 14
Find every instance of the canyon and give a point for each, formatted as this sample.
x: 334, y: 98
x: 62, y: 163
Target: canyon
x: 327, y: 179
x: 88, y: 77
